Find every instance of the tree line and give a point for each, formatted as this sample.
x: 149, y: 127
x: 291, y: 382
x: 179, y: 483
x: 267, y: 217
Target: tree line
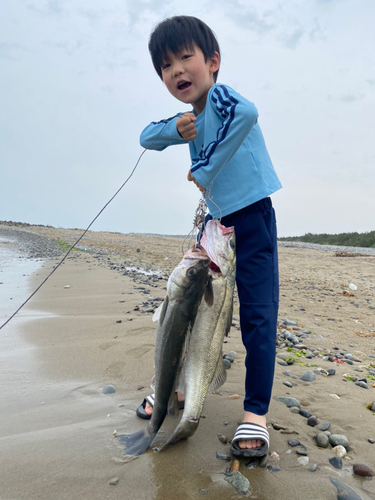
x: 341, y: 239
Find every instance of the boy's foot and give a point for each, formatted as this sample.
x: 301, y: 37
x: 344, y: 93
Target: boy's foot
x: 149, y: 408
x: 253, y: 418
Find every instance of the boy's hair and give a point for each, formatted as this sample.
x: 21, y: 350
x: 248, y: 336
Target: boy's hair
x: 178, y: 33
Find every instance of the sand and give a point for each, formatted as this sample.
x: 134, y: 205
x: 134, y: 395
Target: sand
x: 57, y: 428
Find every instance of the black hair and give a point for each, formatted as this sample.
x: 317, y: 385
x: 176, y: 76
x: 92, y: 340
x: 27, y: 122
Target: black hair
x: 178, y: 33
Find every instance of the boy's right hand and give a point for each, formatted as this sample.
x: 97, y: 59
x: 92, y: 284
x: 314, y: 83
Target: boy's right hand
x: 186, y: 127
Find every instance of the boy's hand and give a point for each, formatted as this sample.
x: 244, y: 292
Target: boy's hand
x: 191, y: 178
x: 186, y: 127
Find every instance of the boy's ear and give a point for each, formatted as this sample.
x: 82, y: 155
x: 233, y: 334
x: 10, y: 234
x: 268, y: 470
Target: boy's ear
x: 215, y: 63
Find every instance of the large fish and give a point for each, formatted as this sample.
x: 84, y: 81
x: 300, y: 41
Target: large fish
x: 186, y: 286
x: 203, y: 369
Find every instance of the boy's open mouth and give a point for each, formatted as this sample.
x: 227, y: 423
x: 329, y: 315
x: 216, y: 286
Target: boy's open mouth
x: 183, y: 85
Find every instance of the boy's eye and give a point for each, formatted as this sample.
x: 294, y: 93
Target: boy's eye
x: 186, y: 56
x: 165, y: 66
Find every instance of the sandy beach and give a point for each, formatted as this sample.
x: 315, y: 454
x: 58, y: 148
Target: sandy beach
x: 88, y: 327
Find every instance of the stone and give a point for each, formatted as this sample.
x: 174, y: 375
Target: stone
x: 220, y: 456
x: 322, y: 440
x: 288, y: 322
x: 272, y: 468
x: 232, y: 354
x: 339, y: 451
x: 287, y: 383
x: 308, y: 376
x: 343, y: 491
x: 303, y: 453
x: 336, y: 462
x: 288, y: 401
x: 227, y: 364
x: 312, y: 421
x: 336, y: 439
x: 324, y: 426
x: 313, y: 467
x: 282, y: 362
x: 362, y: 384
x: 239, y: 482
x: 119, y: 321
x: 202, y: 491
x: 278, y: 427
x: 294, y: 409
x: 331, y: 371
x: 371, y: 441
x: 303, y: 460
x: 287, y: 373
x: 114, y: 481
x: 293, y: 442
x: 304, y: 413
x: 363, y: 470
x: 222, y: 438
x: 108, y: 389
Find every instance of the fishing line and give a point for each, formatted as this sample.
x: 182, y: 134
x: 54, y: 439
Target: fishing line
x: 88, y: 227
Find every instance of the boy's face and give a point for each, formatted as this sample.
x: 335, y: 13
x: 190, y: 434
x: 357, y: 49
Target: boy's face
x: 188, y: 77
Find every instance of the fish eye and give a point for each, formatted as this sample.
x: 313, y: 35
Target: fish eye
x: 192, y: 272
x: 232, y: 244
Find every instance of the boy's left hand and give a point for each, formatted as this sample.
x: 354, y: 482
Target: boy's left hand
x: 191, y: 178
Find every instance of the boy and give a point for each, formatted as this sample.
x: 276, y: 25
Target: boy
x: 230, y: 161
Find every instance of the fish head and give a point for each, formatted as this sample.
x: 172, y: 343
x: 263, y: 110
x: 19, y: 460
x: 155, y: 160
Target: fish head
x: 190, y: 272
x: 220, y: 244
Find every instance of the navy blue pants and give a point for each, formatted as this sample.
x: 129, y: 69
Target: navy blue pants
x: 258, y: 291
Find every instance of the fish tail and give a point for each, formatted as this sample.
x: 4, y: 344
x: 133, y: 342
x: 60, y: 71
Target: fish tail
x: 184, y: 430
x: 137, y: 443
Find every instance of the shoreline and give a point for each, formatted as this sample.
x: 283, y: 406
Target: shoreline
x: 57, y: 426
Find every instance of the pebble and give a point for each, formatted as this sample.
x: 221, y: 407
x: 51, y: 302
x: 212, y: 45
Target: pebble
x: 119, y: 321
x: 202, y: 491
x: 343, y: 491
x: 312, y: 421
x: 303, y: 453
x: 363, y: 470
x: 278, y: 427
x: 293, y: 442
x: 114, y: 481
x: 303, y: 460
x: 287, y: 383
x: 336, y: 439
x: 287, y: 373
x: 313, y: 467
x: 339, y: 451
x: 371, y: 441
x: 294, y: 409
x: 324, y: 426
x: 282, y: 362
x: 239, y: 482
x: 227, y: 364
x: 331, y: 371
x: 232, y: 354
x: 275, y: 456
x: 272, y: 468
x: 288, y: 322
x: 336, y: 462
x: 222, y: 438
x: 234, y: 396
x: 362, y: 384
x: 304, y: 413
x: 322, y: 440
x: 220, y: 456
x: 288, y: 401
x: 308, y: 376
x: 109, y: 389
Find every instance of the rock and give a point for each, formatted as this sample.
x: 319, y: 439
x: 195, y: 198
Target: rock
x: 304, y: 413
x: 229, y: 358
x: 322, y: 440
x: 283, y: 355
x: 336, y: 462
x: 303, y: 460
x: 287, y: 383
x: 282, y: 362
x: 275, y: 456
x: 272, y: 468
x: 293, y: 442
x: 331, y: 371
x: 234, y: 396
x: 308, y: 376
x: 371, y: 441
x: 343, y: 491
x: 239, y: 482
x: 363, y: 470
x: 232, y: 354
x: 306, y: 331
x: 119, y: 321
x: 339, y: 451
x: 303, y: 453
x: 278, y: 427
x: 312, y: 421
x: 294, y: 409
x: 313, y: 467
x: 227, y: 364
x: 362, y: 384
x: 324, y: 426
x: 288, y: 322
x: 287, y: 373
x: 222, y: 438
x: 288, y: 401
x: 220, y: 456
x: 114, y: 481
x: 336, y: 439
x: 202, y: 491
x: 108, y: 389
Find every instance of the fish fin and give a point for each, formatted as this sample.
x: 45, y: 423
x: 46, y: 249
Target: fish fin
x: 219, y: 377
x: 181, y: 380
x: 173, y: 409
x: 156, y: 315
x: 137, y: 443
x: 163, y: 311
x: 230, y: 319
x: 209, y: 293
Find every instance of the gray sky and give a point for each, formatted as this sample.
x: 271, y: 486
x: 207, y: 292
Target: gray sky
x: 77, y: 87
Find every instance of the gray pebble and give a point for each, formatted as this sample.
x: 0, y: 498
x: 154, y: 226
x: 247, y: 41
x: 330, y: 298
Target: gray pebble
x: 322, y: 440
x: 308, y: 376
x: 282, y: 362
x: 362, y: 384
x: 220, y: 456
x: 303, y: 453
x: 336, y: 462
x: 313, y: 467
x: 114, y: 481
x: 109, y: 389
x: 222, y: 438
x: 287, y: 383
x: 343, y: 491
x: 272, y: 468
x: 331, y: 371
x: 293, y: 442
x: 336, y: 439
x: 202, y: 492
x: 294, y: 409
x: 324, y: 426
x: 227, y: 364
x: 312, y: 421
x: 232, y: 354
x: 239, y: 482
x: 304, y: 413
x: 288, y: 322
x: 288, y: 401
x: 287, y: 373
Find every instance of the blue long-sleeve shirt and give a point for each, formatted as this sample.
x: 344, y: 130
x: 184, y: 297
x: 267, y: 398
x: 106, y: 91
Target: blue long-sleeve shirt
x: 229, y: 156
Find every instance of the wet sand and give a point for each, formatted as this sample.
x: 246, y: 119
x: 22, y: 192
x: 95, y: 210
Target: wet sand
x: 56, y: 426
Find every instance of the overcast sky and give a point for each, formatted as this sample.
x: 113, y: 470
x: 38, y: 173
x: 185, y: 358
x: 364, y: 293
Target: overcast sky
x: 77, y: 87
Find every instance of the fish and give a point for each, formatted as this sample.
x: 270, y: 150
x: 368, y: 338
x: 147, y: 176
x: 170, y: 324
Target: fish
x: 203, y: 368
x: 187, y: 285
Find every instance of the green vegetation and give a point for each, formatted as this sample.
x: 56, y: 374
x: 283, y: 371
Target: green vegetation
x: 342, y: 239
x: 66, y: 246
